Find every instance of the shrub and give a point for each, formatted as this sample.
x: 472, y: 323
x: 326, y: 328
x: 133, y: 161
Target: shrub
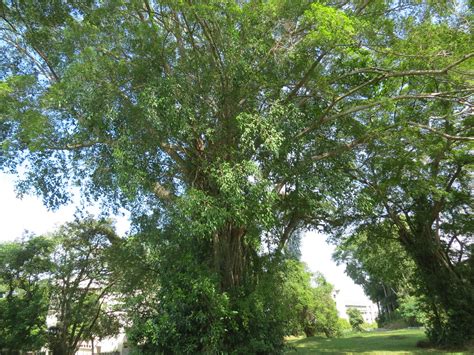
x: 411, y: 311
x: 355, y: 319
x: 344, y: 325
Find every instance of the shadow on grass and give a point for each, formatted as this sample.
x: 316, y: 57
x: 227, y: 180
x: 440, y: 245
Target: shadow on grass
x: 390, y: 342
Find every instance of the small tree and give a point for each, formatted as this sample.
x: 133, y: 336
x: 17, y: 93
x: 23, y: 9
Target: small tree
x: 308, y: 301
x: 24, y: 293
x: 323, y: 308
x: 81, y: 284
x: 355, y: 319
x: 411, y: 310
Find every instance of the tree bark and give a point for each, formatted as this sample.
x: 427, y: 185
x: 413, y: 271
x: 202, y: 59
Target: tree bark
x: 444, y: 287
x: 230, y: 256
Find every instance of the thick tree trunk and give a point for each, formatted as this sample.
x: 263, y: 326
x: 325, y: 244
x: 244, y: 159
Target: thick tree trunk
x: 230, y: 256
x: 444, y: 286
x: 61, y: 349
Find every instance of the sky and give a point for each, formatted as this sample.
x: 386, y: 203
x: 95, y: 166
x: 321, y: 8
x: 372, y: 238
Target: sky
x: 317, y: 254
x: 29, y: 214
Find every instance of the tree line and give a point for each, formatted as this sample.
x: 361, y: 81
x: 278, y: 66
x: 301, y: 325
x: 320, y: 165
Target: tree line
x: 73, y: 286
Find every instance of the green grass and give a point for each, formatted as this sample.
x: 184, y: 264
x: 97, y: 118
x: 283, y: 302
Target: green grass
x: 381, y: 342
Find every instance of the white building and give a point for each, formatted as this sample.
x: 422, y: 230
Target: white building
x: 116, y: 345
x: 109, y: 346
x: 368, y: 309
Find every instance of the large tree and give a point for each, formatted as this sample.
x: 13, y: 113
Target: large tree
x: 423, y: 189
x: 220, y: 121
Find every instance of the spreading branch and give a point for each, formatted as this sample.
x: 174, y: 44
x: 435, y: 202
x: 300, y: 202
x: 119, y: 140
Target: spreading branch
x: 442, y: 134
x: 390, y: 73
x: 448, y: 96
x: 305, y: 78
x: 341, y: 149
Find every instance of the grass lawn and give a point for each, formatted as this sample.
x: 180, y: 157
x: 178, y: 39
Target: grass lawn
x: 381, y: 342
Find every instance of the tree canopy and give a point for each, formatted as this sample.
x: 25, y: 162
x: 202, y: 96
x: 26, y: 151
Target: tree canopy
x: 66, y: 276
x: 24, y: 293
x: 81, y: 286
x: 228, y: 126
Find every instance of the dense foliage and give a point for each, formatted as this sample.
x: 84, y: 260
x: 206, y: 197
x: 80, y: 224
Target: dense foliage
x: 24, y: 293
x: 182, y: 295
x: 308, y: 302
x: 355, y: 319
x: 227, y: 127
x: 65, y: 276
x: 375, y: 260
x: 89, y: 281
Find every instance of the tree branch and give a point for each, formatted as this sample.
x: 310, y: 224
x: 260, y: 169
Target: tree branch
x: 427, y: 96
x: 99, y: 302
x: 439, y: 204
x: 305, y: 78
x: 42, y: 55
x: 289, y: 229
x: 76, y: 146
x: 442, y: 134
x: 388, y: 73
x: 339, y: 150
x: 362, y: 7
x: 161, y: 192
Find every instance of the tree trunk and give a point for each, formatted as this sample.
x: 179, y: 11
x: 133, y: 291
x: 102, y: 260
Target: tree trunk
x: 443, y: 286
x: 229, y: 256
x: 61, y: 349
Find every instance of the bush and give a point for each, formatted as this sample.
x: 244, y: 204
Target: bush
x: 449, y: 329
x: 397, y: 323
x: 370, y: 326
x: 189, y: 313
x: 344, y: 325
x: 310, y: 308
x: 411, y: 310
x: 355, y: 319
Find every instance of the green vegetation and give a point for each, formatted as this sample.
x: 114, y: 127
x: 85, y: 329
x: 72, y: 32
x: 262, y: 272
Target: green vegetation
x: 355, y: 319
x: 80, y: 282
x: 65, y: 275
x: 24, y: 294
x: 387, y: 342
x: 308, y: 302
x: 73, y: 274
x: 228, y: 128
x: 375, y: 260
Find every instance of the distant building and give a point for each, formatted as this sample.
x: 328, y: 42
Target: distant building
x: 109, y: 346
x: 368, y: 310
